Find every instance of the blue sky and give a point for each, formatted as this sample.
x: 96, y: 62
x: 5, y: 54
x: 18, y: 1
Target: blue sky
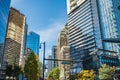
x: 45, y: 17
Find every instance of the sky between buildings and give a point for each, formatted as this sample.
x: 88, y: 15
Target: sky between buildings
x: 45, y: 17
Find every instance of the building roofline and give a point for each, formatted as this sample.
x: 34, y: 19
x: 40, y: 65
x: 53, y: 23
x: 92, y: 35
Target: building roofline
x: 17, y: 10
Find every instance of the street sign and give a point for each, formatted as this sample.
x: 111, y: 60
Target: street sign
x: 66, y: 62
x: 117, y: 68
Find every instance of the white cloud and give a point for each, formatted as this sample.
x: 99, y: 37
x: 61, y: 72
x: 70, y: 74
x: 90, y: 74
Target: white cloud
x: 50, y: 36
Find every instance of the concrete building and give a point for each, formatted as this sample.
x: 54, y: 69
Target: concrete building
x: 64, y: 67
x: 62, y: 41
x: 50, y: 66
x: 54, y: 56
x: 89, y: 22
x: 63, y: 54
x: 33, y: 42
x: 15, y: 39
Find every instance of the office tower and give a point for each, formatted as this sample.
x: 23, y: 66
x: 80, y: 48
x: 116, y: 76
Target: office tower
x: 63, y: 53
x: 109, y: 14
x: 33, y: 41
x: 15, y: 39
x: 4, y: 12
x: 89, y: 22
x: 50, y: 66
x: 54, y: 56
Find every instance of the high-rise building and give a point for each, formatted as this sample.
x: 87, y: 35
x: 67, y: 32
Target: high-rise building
x: 50, y: 66
x: 15, y: 39
x: 33, y: 42
x: 65, y: 65
x: 109, y: 14
x: 89, y: 22
x: 63, y: 54
x: 4, y: 12
x: 54, y: 56
x: 62, y: 41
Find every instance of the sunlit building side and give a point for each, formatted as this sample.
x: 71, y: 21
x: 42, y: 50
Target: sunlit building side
x: 15, y: 39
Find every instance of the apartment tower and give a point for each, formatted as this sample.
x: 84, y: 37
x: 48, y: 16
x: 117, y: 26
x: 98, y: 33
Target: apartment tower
x: 15, y: 39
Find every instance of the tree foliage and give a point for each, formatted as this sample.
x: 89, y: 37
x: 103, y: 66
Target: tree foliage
x: 84, y: 75
x: 54, y: 74
x: 106, y: 72
x: 87, y: 74
x: 32, y: 67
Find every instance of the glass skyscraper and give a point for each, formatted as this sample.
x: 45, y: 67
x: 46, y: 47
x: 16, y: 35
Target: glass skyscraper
x: 33, y: 42
x: 4, y: 11
x: 89, y: 22
x: 109, y: 13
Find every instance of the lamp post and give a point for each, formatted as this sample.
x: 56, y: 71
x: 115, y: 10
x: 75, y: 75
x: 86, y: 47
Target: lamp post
x: 43, y: 57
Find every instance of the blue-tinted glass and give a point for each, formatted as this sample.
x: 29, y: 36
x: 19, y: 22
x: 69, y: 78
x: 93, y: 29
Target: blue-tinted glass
x: 33, y: 41
x: 4, y: 11
x: 110, y: 22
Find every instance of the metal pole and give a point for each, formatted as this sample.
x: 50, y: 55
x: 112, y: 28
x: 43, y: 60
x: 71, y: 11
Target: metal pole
x: 43, y: 59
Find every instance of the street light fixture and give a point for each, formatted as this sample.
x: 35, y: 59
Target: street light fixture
x: 43, y: 57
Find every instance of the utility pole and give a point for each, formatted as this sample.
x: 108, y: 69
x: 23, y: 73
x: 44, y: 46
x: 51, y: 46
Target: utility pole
x: 43, y: 58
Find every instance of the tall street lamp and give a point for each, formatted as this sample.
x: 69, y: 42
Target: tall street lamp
x: 43, y: 57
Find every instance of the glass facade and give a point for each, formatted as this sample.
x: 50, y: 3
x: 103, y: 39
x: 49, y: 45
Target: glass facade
x: 4, y: 11
x: 33, y: 41
x: 110, y: 22
x: 107, y: 60
x: 89, y: 22
x: 83, y: 35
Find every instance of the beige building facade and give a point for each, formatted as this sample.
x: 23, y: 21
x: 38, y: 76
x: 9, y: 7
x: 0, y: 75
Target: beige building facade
x: 63, y: 54
x: 15, y: 38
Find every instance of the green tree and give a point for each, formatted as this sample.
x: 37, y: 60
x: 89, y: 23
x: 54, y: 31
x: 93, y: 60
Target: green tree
x: 87, y: 75
x: 54, y: 74
x: 84, y: 75
x: 32, y: 69
x: 106, y: 72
